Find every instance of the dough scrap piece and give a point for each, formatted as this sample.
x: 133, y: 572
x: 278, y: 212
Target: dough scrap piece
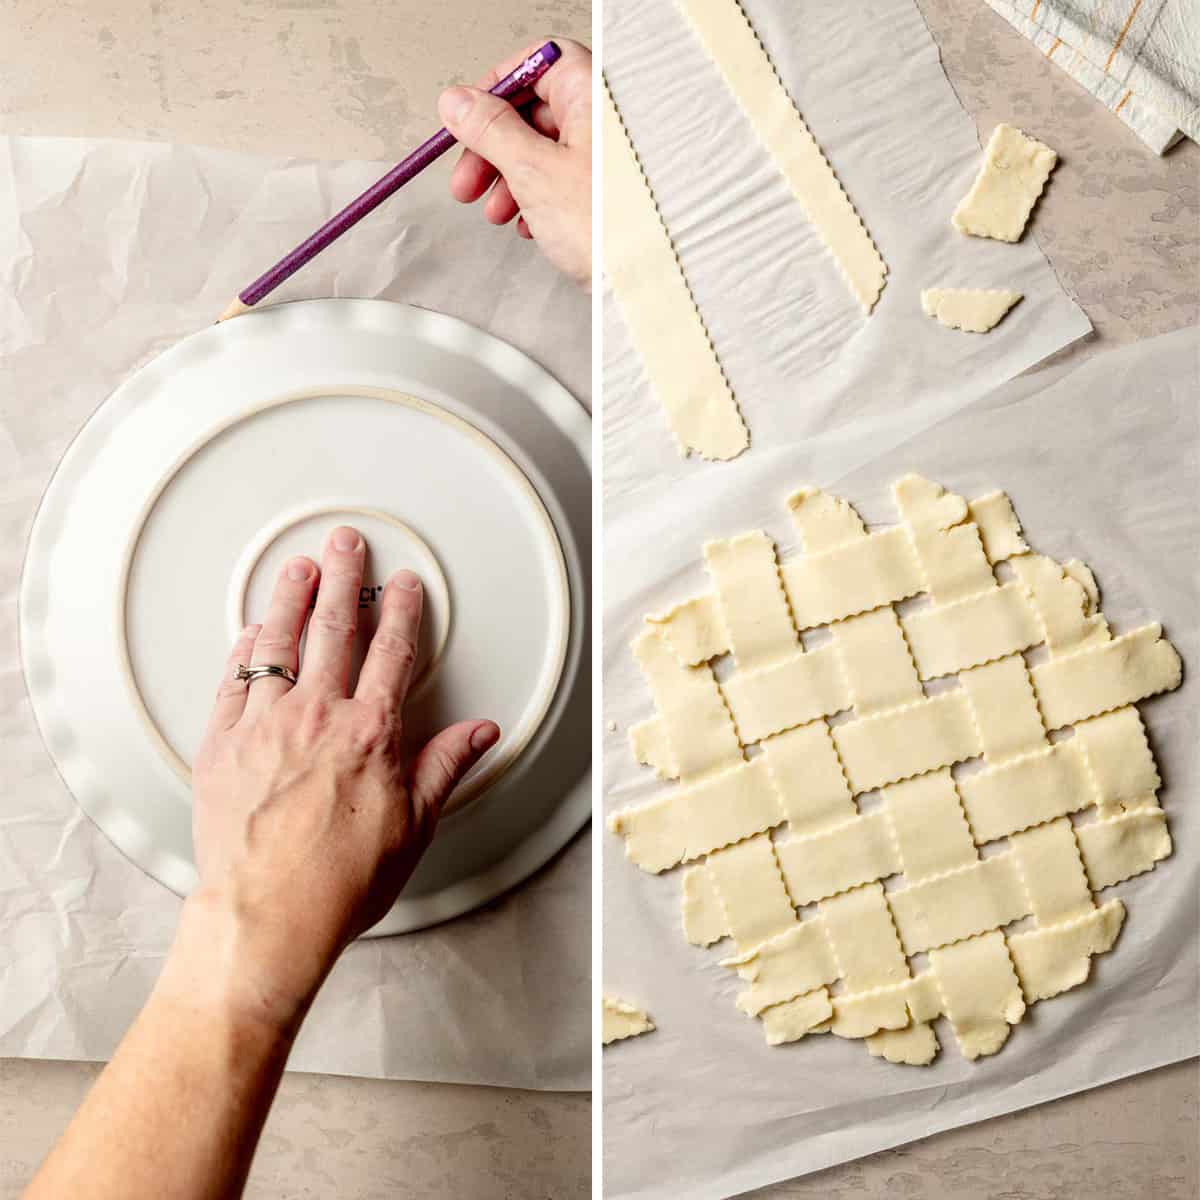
x: 648, y: 282
x: 1014, y: 172
x: 620, y: 1020
x: 863, y: 721
x: 727, y: 36
x: 973, y: 310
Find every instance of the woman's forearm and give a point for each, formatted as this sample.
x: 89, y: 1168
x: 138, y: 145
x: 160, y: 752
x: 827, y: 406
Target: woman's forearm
x: 178, y: 1112
x: 309, y: 817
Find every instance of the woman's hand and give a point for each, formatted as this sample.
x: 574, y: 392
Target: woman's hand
x: 307, y: 820
x: 542, y: 171
x: 307, y: 824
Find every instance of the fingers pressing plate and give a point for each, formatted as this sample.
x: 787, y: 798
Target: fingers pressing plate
x: 278, y: 643
x: 330, y: 647
x: 445, y: 759
x: 387, y: 672
x: 231, y: 694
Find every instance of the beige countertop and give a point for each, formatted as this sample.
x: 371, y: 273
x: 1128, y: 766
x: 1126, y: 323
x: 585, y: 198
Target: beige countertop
x: 335, y: 78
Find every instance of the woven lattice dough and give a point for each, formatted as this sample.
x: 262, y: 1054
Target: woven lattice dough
x: 787, y: 827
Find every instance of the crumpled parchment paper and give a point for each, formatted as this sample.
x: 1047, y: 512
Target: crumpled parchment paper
x: 109, y: 252
x: 1100, y: 460
x: 1103, y: 464
x: 799, y: 354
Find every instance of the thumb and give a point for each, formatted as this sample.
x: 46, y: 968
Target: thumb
x: 491, y: 127
x: 445, y: 759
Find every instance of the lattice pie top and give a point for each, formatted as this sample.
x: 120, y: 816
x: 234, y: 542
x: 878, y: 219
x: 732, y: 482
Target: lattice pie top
x: 900, y: 854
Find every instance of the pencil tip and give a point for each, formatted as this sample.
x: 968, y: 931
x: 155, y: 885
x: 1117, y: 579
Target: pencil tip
x: 235, y: 309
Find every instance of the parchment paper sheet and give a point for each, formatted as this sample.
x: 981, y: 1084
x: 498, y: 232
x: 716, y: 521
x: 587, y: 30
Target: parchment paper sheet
x: 1102, y: 463
x: 110, y: 252
x: 800, y: 356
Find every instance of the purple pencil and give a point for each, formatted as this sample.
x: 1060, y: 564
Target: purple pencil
x: 521, y: 80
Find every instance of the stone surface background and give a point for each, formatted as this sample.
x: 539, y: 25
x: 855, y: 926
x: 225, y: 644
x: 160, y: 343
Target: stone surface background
x: 350, y: 79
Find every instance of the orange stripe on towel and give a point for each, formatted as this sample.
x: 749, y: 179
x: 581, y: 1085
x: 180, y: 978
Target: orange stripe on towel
x: 1121, y: 36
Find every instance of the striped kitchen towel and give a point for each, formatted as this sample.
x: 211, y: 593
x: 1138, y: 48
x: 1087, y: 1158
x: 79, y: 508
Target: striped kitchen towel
x: 1140, y: 58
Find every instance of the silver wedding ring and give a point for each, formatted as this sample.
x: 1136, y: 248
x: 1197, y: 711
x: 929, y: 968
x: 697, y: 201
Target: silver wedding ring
x: 250, y: 674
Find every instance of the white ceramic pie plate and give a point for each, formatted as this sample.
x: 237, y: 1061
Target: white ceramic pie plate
x: 174, y: 508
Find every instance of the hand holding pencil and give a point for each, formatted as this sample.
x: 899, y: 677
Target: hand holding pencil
x: 537, y: 172
x: 562, y: 114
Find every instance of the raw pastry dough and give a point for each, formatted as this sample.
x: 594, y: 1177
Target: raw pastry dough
x: 620, y: 1020
x: 1015, y: 169
x: 731, y: 42
x: 925, y: 833
x: 648, y: 281
x: 975, y: 310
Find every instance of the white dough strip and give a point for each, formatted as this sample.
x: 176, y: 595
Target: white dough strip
x: 1132, y: 667
x: 690, y: 821
x: 726, y: 33
x: 648, y: 281
x: 970, y: 632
